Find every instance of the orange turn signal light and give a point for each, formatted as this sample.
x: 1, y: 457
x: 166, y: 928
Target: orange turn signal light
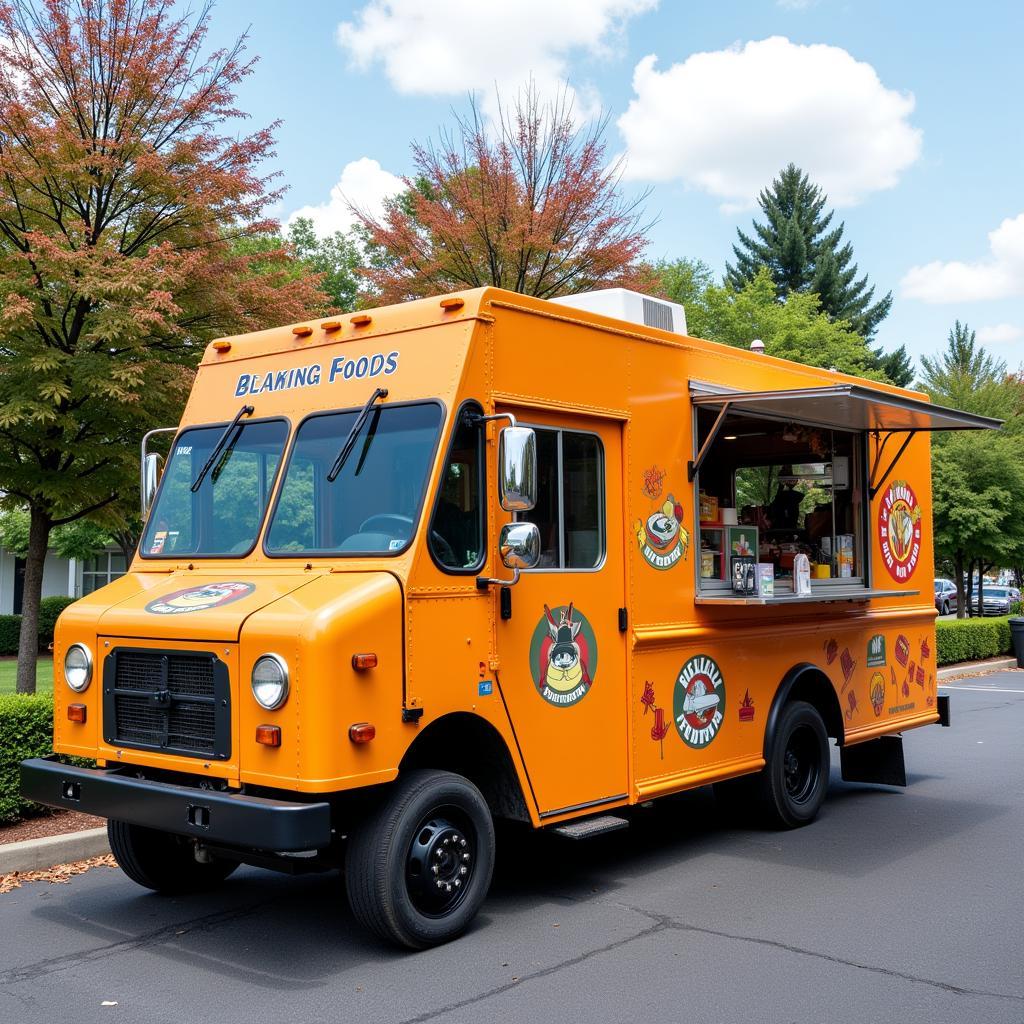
x: 360, y: 662
x: 268, y: 735
x: 76, y: 712
x: 222, y: 346
x: 331, y: 325
x: 362, y: 732
x: 361, y: 319
x: 302, y: 332
x: 453, y: 303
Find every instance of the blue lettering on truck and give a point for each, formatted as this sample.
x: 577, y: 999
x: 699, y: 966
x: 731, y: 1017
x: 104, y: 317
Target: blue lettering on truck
x: 311, y: 376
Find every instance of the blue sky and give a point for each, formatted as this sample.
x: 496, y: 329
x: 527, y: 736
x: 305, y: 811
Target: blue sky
x: 908, y: 112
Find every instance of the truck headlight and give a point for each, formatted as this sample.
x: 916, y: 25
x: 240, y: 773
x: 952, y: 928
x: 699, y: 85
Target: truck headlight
x: 77, y: 667
x: 270, y: 681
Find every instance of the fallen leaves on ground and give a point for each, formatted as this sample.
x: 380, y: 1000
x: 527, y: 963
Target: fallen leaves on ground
x: 62, y: 873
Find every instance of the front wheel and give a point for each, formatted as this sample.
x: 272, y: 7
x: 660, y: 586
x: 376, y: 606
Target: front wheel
x: 163, y: 862
x: 419, y: 869
x: 792, y: 786
x: 945, y: 607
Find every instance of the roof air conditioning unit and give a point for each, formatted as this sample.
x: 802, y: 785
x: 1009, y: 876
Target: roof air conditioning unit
x: 634, y: 308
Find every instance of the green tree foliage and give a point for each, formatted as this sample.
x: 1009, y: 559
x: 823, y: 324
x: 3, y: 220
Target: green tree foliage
x: 977, y: 496
x: 331, y: 264
x: 978, y: 478
x: 792, y: 329
x: 805, y: 254
x: 966, y: 377
x: 80, y: 539
x: 894, y: 366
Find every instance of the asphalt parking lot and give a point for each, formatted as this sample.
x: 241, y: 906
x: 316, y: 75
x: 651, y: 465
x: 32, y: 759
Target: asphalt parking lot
x: 896, y: 905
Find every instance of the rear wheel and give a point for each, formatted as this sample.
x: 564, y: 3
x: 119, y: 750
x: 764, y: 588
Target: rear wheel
x: 419, y: 869
x: 945, y: 607
x: 791, y: 788
x: 163, y: 862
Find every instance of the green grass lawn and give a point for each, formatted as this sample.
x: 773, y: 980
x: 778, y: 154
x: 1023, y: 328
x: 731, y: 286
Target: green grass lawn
x: 9, y: 670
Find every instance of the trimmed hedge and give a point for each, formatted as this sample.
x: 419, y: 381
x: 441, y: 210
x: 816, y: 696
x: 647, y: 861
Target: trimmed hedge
x: 49, y: 610
x: 26, y: 730
x: 971, y: 639
x: 10, y: 630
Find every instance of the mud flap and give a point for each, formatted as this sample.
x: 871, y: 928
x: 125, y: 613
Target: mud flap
x: 878, y: 761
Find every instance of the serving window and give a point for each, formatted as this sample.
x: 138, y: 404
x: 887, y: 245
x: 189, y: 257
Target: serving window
x: 770, y: 492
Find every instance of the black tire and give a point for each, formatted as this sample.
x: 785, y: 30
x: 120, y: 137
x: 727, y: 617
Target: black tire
x: 431, y: 819
x: 163, y: 862
x: 791, y: 788
x: 945, y: 607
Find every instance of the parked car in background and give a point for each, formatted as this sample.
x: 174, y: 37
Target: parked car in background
x: 994, y: 601
x: 945, y: 597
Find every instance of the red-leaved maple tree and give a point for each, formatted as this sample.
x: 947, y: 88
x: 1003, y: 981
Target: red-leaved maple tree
x: 122, y: 197
x: 529, y: 203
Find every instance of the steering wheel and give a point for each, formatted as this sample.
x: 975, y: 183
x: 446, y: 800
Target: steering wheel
x: 380, y: 524
x: 375, y: 523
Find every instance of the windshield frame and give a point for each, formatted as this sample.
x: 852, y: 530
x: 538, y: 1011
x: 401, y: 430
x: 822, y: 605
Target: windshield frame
x: 261, y: 526
x: 417, y: 517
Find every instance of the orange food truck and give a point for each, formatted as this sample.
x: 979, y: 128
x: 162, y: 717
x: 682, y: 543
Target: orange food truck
x: 485, y: 556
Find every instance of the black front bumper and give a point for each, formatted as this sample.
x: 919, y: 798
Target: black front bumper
x: 231, y: 819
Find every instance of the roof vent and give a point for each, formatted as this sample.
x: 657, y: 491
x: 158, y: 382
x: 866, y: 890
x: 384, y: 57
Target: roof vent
x: 623, y: 304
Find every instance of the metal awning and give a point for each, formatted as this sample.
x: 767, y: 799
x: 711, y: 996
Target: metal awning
x: 851, y: 407
x: 845, y: 407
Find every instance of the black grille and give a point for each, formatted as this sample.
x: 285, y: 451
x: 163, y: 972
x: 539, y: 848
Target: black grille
x: 174, y: 701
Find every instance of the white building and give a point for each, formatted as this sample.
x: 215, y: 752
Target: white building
x: 62, y: 577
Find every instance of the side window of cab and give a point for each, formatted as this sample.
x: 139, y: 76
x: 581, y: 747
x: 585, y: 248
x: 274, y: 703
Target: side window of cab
x: 456, y: 536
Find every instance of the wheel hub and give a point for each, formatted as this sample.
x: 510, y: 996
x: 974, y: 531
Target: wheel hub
x: 799, y: 766
x: 439, y: 865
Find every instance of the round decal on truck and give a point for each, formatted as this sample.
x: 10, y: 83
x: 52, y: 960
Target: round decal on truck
x: 563, y: 656
x: 899, y: 530
x: 199, y: 599
x: 698, y: 701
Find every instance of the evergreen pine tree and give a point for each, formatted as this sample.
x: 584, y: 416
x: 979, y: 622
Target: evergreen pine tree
x: 804, y: 253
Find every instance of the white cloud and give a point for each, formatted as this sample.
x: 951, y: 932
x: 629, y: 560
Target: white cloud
x: 999, y: 277
x: 795, y: 5
x: 728, y: 121
x: 999, y: 333
x: 363, y: 184
x: 451, y: 47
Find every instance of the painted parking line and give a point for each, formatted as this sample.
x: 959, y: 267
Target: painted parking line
x: 978, y: 689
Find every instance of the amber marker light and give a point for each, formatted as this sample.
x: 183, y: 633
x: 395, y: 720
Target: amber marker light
x: 361, y: 319
x: 76, y: 712
x: 331, y: 325
x: 362, y: 732
x: 268, y: 735
x: 302, y: 332
x: 361, y: 662
x: 453, y: 303
x: 222, y: 346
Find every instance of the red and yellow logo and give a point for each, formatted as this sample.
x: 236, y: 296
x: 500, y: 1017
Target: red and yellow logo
x: 198, y: 599
x: 899, y: 531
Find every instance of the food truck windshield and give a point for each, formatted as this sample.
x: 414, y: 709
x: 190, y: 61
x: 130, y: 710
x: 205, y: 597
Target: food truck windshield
x: 771, y: 491
x: 369, y: 507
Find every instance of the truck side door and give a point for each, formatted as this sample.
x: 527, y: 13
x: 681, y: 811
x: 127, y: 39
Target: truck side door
x: 562, y: 655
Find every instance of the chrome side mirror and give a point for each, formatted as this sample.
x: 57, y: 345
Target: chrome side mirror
x: 517, y: 469
x: 519, y: 545
x: 150, y: 479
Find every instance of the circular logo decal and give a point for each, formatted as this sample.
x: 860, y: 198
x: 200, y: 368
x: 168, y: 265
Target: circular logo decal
x: 899, y: 531
x: 198, y: 599
x: 698, y: 701
x: 563, y: 656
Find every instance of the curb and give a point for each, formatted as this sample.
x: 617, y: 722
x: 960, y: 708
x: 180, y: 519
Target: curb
x: 975, y: 668
x: 39, y: 854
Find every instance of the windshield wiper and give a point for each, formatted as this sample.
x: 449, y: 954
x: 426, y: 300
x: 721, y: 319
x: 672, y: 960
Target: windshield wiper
x: 350, y: 441
x: 246, y: 410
